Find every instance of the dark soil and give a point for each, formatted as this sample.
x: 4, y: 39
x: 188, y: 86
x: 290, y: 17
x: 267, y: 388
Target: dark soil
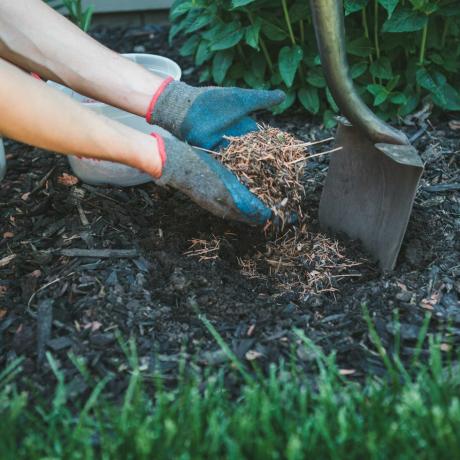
x: 61, y: 303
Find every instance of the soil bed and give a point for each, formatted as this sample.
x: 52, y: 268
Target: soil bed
x: 53, y: 297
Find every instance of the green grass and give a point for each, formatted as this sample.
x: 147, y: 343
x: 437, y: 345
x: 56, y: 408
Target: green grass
x: 413, y: 413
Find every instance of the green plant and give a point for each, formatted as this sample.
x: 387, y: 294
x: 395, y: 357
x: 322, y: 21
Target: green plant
x: 79, y: 15
x: 413, y: 412
x: 400, y: 51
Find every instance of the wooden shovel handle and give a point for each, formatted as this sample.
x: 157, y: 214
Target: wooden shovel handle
x: 328, y: 19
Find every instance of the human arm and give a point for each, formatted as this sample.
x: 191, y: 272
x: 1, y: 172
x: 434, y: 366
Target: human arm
x: 33, y: 113
x: 56, y: 49
x: 38, y: 39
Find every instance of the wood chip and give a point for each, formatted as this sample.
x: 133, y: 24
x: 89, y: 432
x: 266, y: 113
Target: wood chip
x: 6, y: 260
x: 67, y: 180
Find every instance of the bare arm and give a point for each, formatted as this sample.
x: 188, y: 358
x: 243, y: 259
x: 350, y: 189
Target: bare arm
x: 33, y: 113
x: 36, y: 38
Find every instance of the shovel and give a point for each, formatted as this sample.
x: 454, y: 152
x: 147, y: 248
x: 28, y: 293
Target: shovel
x: 371, y: 183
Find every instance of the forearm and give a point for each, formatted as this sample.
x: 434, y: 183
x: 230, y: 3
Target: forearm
x: 36, y: 38
x: 33, y: 113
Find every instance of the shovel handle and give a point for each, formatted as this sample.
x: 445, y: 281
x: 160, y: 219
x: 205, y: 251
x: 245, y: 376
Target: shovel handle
x: 328, y: 19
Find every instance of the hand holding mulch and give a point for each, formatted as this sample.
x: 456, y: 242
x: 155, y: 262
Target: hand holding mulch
x: 270, y: 163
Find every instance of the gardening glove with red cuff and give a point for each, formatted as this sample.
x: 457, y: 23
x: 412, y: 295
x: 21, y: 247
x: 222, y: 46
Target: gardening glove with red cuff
x: 207, y: 182
x: 203, y: 116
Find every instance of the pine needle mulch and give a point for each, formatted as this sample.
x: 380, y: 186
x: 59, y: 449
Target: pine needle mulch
x: 271, y: 164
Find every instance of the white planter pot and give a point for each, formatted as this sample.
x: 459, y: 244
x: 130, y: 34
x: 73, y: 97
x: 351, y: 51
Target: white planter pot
x: 106, y: 172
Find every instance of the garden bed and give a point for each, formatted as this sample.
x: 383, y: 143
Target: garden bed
x: 53, y: 298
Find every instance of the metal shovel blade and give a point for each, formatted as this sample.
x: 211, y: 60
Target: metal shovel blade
x: 369, y: 193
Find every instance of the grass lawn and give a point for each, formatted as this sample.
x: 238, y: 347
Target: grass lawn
x: 412, y: 413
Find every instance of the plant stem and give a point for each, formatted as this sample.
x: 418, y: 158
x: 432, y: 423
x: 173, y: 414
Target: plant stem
x: 366, y: 29
x: 445, y: 31
x: 241, y: 52
x: 288, y: 22
x: 267, y: 56
x: 376, y: 28
x: 262, y: 45
x: 366, y: 34
x: 423, y: 44
x: 302, y: 32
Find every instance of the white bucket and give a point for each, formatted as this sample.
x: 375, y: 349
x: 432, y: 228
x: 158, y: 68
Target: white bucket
x: 106, y: 172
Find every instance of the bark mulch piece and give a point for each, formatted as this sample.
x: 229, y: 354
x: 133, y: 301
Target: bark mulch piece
x: 80, y: 265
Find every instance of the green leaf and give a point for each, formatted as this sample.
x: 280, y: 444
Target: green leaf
x: 299, y: 12
x: 331, y: 101
x: 190, y: 46
x: 405, y: 20
x: 447, y: 98
x: 273, y: 32
x: 203, y: 53
x: 230, y: 36
x: 329, y: 119
x: 316, y: 78
x: 427, y: 80
x: 360, y: 47
x: 255, y: 81
x: 435, y: 83
x: 358, y: 69
x: 411, y: 104
x: 205, y: 75
x: 352, y: 6
x: 239, y: 3
x: 290, y: 99
x: 220, y: 65
x: 375, y: 89
x: 389, y: 5
x: 252, y: 34
x: 309, y: 98
x: 201, y: 21
x: 380, y: 98
x: 87, y: 16
x: 180, y: 9
x: 289, y: 59
x: 398, y: 99
x: 391, y: 85
x: 379, y: 92
x: 381, y: 68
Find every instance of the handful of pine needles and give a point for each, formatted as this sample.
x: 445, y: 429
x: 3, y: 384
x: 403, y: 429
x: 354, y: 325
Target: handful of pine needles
x: 270, y: 163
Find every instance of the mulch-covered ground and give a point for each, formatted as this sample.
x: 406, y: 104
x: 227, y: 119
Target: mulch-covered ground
x: 139, y: 282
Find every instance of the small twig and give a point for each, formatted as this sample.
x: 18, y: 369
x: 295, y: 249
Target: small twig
x: 327, y: 152
x: 43, y: 180
x: 45, y: 286
x: 207, y: 150
x: 83, y: 218
x: 100, y: 253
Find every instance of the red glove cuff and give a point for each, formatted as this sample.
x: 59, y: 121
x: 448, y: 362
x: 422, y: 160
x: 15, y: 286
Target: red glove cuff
x: 161, y: 147
x: 151, y: 107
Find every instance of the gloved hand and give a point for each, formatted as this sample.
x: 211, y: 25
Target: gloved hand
x: 207, y: 182
x: 202, y: 116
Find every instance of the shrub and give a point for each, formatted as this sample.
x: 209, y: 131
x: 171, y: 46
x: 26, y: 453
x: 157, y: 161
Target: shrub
x: 400, y: 51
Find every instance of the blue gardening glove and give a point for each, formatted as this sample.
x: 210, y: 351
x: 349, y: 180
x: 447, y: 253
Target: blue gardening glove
x: 202, y: 116
x: 207, y: 182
